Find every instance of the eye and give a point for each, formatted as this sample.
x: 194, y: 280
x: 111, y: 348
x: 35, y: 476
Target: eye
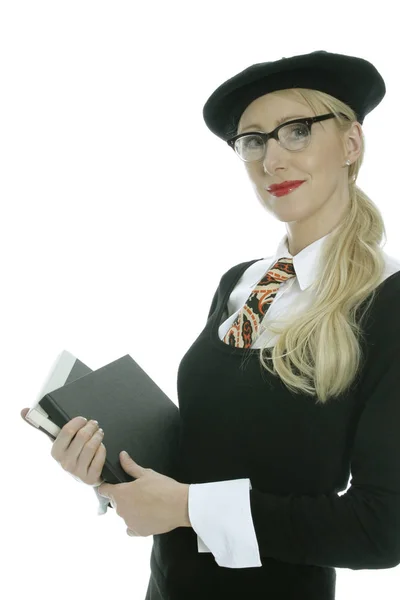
x: 251, y: 141
x: 297, y: 130
x: 255, y: 140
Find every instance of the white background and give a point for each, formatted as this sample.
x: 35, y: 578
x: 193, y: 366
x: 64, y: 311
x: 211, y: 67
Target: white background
x: 120, y: 212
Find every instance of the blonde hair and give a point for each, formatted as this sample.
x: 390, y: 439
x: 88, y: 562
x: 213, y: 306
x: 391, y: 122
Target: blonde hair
x: 318, y: 352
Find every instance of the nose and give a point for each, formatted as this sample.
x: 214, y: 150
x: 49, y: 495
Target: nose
x: 272, y: 155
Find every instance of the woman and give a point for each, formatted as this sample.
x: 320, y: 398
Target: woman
x: 272, y: 425
x: 293, y: 383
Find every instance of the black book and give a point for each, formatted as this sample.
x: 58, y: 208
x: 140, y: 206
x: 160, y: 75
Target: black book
x: 135, y: 414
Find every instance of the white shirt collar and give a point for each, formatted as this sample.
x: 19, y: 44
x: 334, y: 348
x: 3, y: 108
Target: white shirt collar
x: 305, y: 262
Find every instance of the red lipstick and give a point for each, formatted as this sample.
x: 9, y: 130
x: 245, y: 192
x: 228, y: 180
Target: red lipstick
x: 284, y: 188
x: 277, y: 186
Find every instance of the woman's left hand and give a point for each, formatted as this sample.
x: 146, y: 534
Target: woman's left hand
x: 152, y: 504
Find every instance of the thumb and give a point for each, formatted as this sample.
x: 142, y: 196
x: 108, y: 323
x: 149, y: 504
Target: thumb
x: 130, y: 466
x: 24, y: 411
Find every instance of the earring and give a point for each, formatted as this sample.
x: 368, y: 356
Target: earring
x: 347, y: 162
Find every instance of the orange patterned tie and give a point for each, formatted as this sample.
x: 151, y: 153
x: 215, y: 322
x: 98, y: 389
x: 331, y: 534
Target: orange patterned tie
x: 243, y: 331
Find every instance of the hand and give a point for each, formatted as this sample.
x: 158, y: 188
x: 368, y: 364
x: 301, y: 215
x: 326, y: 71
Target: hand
x: 79, y: 450
x: 152, y: 504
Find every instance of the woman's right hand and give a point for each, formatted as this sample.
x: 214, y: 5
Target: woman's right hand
x: 78, y: 449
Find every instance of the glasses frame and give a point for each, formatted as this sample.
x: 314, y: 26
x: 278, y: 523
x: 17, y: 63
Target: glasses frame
x: 275, y: 133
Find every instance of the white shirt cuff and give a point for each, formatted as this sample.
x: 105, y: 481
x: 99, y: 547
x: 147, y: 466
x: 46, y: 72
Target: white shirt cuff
x: 220, y: 514
x: 103, y: 502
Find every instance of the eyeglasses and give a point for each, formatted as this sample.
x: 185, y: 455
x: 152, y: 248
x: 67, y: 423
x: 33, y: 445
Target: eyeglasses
x: 294, y: 136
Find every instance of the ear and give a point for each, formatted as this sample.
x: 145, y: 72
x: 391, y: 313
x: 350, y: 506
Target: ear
x: 353, y: 141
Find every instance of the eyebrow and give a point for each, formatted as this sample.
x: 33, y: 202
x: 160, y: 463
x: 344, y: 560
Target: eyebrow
x: 278, y: 122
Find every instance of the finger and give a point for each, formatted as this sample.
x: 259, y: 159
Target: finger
x: 72, y: 437
x: 89, y: 450
x: 23, y: 412
x: 97, y: 463
x: 82, y: 449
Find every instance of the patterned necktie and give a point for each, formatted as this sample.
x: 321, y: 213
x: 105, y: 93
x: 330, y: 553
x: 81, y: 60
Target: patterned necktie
x: 243, y: 331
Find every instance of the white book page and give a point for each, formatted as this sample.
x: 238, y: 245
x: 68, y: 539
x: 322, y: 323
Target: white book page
x: 55, y: 379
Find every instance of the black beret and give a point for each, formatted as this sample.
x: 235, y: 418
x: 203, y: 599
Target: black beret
x: 352, y: 80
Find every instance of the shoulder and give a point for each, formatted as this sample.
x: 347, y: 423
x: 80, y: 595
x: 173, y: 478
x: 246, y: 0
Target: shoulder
x: 390, y: 283
x: 383, y: 321
x: 242, y: 267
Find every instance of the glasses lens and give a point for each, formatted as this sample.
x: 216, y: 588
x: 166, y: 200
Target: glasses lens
x: 292, y: 137
x: 250, y: 147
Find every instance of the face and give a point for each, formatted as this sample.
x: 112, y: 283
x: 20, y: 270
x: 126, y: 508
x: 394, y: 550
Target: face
x: 316, y: 207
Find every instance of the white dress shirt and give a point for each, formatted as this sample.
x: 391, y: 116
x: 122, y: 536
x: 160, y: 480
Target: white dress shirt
x: 227, y: 531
